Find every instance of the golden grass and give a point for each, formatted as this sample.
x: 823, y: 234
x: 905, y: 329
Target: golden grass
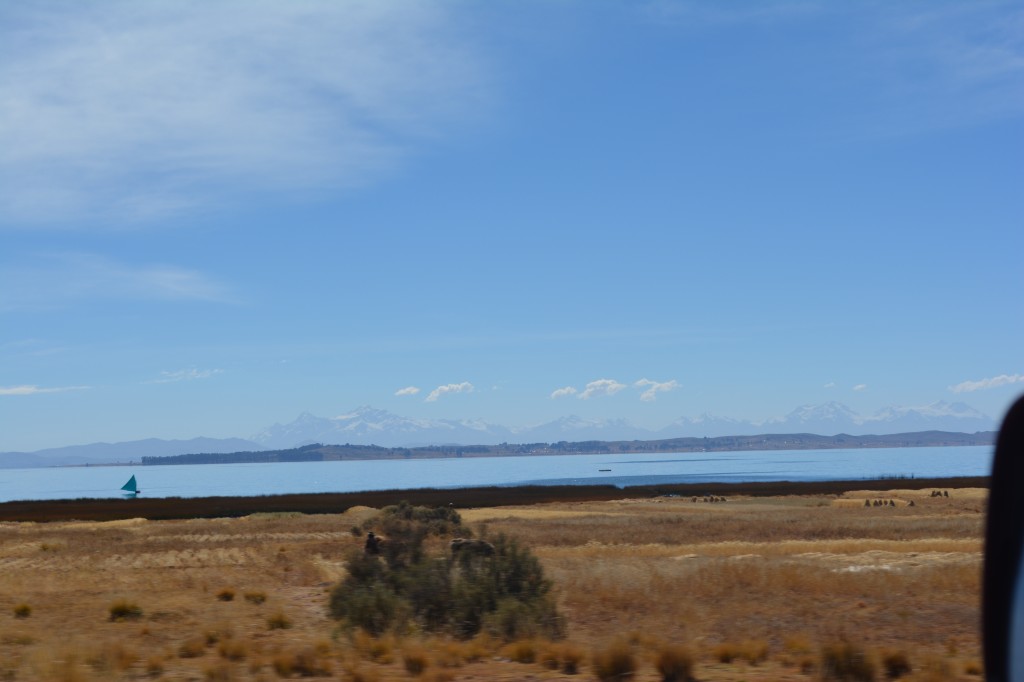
x: 777, y: 579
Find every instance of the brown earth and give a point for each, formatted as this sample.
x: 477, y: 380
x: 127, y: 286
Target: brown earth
x: 767, y: 581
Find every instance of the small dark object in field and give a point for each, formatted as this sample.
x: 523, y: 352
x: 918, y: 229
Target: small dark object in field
x: 472, y: 546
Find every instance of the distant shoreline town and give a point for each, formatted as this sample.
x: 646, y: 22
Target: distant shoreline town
x: 318, y: 452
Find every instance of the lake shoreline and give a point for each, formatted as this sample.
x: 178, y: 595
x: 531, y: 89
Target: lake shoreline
x: 112, y: 509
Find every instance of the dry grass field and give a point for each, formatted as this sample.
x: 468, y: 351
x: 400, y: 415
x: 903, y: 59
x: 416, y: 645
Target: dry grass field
x: 752, y: 588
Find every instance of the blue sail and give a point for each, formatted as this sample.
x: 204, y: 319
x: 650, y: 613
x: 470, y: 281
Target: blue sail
x: 131, y: 486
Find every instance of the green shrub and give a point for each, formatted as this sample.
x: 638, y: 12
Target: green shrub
x: 504, y: 593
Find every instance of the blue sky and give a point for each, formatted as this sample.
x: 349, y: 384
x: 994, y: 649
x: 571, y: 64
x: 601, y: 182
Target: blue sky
x: 215, y: 216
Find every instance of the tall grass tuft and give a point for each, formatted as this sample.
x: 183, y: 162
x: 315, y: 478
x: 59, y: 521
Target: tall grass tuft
x: 122, y: 610
x: 193, y: 647
x: 233, y: 649
x: 255, y: 597
x: 522, y: 651
x: 614, y: 662
x: 279, y: 621
x: 846, y: 662
x: 895, y: 663
x: 674, y: 663
x: 415, y: 660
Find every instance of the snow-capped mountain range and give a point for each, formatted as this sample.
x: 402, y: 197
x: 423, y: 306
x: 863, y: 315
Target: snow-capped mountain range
x: 367, y: 425
x: 370, y: 426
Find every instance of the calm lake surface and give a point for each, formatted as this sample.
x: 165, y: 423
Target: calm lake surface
x: 202, y: 480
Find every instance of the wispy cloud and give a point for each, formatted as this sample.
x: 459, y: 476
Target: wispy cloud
x: 563, y: 392
x: 143, y: 110
x: 860, y: 387
x: 464, y: 387
x: 830, y: 384
x: 408, y: 390
x: 190, y: 374
x: 55, y: 280
x: 601, y: 387
x: 982, y: 384
x: 654, y: 388
x: 33, y: 390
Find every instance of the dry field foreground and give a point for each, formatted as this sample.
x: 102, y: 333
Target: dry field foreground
x: 765, y: 581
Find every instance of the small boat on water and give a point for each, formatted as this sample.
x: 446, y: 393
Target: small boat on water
x: 131, y: 488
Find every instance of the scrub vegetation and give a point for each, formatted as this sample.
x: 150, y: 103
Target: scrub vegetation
x: 783, y: 587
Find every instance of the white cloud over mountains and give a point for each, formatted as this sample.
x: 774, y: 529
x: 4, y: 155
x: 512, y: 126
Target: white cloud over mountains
x: 601, y: 387
x: 132, y: 111
x: 982, y: 384
x: 653, y: 388
x: 190, y: 374
x: 464, y: 387
x: 408, y: 390
x: 609, y: 387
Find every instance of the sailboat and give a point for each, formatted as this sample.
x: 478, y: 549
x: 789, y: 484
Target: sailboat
x: 131, y: 488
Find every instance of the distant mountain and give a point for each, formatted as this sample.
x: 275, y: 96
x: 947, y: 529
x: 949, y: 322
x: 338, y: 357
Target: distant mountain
x: 573, y: 428
x: 130, y: 451
x: 370, y: 426
x: 833, y: 418
x: 709, y: 425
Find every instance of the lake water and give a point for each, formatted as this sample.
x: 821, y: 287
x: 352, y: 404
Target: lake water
x: 202, y: 480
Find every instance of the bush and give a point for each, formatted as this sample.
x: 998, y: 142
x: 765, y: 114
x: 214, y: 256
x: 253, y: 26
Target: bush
x: 124, y: 610
x: 615, y: 662
x: 504, y: 593
x: 844, y: 661
x: 226, y: 594
x: 22, y: 611
x: 674, y: 663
